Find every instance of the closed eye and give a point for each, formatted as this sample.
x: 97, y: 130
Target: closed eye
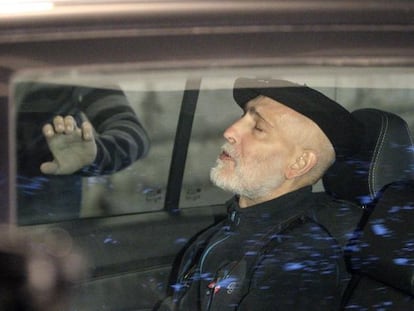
x: 257, y: 128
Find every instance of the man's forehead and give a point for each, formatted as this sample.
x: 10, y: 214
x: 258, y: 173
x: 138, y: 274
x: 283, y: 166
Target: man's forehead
x: 268, y: 106
x: 275, y: 112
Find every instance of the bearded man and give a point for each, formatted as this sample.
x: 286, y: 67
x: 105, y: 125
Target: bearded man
x: 270, y: 253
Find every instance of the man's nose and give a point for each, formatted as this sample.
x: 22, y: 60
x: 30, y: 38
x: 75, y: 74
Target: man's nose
x: 230, y: 134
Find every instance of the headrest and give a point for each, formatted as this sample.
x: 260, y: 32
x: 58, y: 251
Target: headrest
x: 385, y: 250
x: 386, y: 155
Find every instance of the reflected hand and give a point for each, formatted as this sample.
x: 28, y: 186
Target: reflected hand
x: 38, y: 270
x: 72, y: 147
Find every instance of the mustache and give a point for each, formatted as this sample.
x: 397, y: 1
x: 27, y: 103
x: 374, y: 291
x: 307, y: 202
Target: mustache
x: 229, y: 150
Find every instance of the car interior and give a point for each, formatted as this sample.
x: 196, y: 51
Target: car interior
x: 385, y: 156
x: 166, y: 206
x: 379, y: 180
x: 133, y: 224
x: 380, y: 255
x: 176, y: 62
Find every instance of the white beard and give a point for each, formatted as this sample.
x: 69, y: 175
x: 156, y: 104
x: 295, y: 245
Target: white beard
x: 253, y: 180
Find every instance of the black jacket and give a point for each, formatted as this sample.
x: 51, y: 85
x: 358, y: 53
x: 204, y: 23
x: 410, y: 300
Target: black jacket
x: 272, y: 256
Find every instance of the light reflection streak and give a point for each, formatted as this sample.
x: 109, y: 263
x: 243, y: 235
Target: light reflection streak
x: 8, y: 7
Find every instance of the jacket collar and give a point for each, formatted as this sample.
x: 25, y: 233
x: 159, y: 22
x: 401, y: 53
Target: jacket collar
x: 268, y: 214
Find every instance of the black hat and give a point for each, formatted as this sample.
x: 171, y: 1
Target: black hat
x: 334, y: 120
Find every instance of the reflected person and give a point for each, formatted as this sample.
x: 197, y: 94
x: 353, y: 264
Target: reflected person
x: 64, y: 133
x: 270, y: 253
x: 38, y: 271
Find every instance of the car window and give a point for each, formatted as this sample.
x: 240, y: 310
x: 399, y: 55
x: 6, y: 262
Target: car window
x: 389, y: 89
x: 156, y: 97
x: 215, y: 111
x: 138, y: 187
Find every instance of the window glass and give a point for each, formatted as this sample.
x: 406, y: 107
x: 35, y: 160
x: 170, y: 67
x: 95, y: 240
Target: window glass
x: 389, y: 89
x: 135, y: 117
x: 155, y: 97
x: 215, y: 111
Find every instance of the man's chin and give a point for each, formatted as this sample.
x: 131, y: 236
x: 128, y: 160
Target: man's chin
x: 221, y: 179
x: 217, y: 175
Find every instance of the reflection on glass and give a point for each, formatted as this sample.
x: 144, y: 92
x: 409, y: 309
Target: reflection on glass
x: 147, y: 110
x: 64, y: 133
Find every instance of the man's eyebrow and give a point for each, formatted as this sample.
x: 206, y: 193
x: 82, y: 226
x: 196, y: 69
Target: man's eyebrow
x: 253, y: 110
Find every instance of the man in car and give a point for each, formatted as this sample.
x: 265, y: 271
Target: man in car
x: 270, y: 253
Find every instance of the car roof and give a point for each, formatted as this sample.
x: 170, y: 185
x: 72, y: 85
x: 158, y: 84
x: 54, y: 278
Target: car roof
x: 168, y: 16
x: 370, y: 32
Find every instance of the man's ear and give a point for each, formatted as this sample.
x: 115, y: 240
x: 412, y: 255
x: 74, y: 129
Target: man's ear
x: 302, y: 164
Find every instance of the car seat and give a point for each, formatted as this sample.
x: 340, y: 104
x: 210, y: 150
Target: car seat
x: 379, y: 275
x: 386, y: 155
x: 381, y: 259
